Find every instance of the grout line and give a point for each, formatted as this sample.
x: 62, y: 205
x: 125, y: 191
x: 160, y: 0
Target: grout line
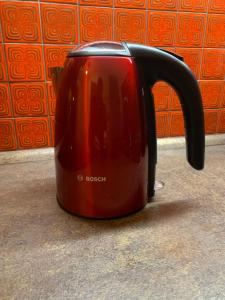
x: 45, y: 76
x: 158, y: 110
x: 9, y: 86
x: 121, y: 7
x: 44, y: 2
x: 78, y: 23
x: 113, y: 20
x: 76, y: 44
x: 48, y: 80
x: 203, y: 43
x: 146, y: 22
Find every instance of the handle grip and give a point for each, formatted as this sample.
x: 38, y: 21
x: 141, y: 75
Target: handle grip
x: 160, y: 65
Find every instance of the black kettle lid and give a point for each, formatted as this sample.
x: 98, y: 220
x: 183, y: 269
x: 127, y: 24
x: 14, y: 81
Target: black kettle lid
x: 101, y: 48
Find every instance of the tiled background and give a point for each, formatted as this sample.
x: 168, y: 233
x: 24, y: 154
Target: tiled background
x: 37, y: 34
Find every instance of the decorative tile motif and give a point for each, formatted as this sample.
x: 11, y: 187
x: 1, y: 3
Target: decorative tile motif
x: 211, y: 91
x: 130, y: 25
x: 32, y: 132
x: 162, y: 94
x: 176, y: 123
x: 162, y: 120
x: 21, y: 22
x: 131, y: 3
x: 96, y: 24
x: 7, y: 135
x: 161, y: 28
x: 97, y: 2
x: 190, y: 30
x: 215, y: 33
x: 193, y: 5
x: 5, y: 107
x: 162, y: 4
x: 51, y: 98
x: 3, y: 76
x: 29, y: 99
x: 221, y: 123
x: 59, y: 24
x: 211, y: 117
x: 52, y: 122
x: 25, y: 63
x: 217, y: 6
x: 192, y: 57
x: 55, y: 57
x: 213, y: 64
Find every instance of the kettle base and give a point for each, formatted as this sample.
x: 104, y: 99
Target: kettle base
x: 100, y: 218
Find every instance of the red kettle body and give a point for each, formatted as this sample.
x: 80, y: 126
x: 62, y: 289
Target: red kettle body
x: 105, y: 137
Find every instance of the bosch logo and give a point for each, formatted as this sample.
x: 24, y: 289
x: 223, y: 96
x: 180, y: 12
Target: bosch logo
x: 81, y: 178
x: 95, y: 178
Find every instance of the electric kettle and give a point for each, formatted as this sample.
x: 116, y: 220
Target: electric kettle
x: 105, y: 129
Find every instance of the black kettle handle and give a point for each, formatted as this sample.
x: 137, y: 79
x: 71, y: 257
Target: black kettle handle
x: 156, y: 65
x: 152, y: 141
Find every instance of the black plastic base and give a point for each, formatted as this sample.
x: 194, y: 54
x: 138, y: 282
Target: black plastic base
x: 151, y: 195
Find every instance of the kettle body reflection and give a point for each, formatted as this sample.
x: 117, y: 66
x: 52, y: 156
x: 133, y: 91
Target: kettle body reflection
x: 105, y: 132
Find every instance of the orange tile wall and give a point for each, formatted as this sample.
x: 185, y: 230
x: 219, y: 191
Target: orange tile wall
x: 35, y: 35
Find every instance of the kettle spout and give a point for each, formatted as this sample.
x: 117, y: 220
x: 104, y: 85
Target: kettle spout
x: 55, y: 75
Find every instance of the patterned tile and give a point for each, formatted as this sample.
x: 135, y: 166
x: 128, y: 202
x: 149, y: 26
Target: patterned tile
x: 211, y: 91
x: 3, y: 76
x: 176, y: 123
x: 215, y: 33
x: 192, y: 57
x: 96, y: 24
x: 21, y: 22
x: 25, y: 62
x: 217, y: 6
x: 221, y: 121
x: 5, y: 106
x: 190, y: 30
x: 213, y: 64
x: 130, y: 25
x: 131, y: 3
x: 162, y: 95
x: 193, y: 5
x: 97, y: 2
x: 55, y: 56
x: 29, y: 99
x: 7, y: 135
x: 211, y: 118
x: 59, y: 23
x: 5, y: 103
x: 51, y: 98
x: 163, y: 4
x: 32, y: 132
x: 161, y: 28
x: 162, y: 122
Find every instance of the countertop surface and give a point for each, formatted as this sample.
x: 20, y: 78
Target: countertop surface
x: 173, y: 249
